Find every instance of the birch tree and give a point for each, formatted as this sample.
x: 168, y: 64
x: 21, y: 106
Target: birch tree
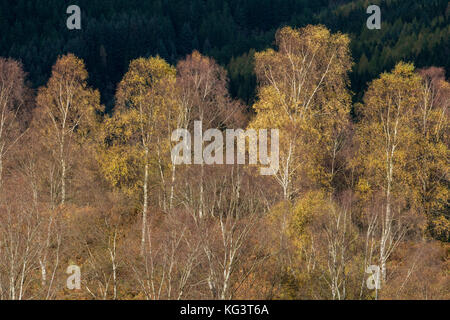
x: 431, y: 149
x: 146, y: 96
x: 170, y: 265
x: 203, y: 96
x: 386, y: 136
x: 67, y: 110
x: 302, y: 90
x: 234, y: 213
x: 12, y: 99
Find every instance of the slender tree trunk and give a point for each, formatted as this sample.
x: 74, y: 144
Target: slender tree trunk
x: 386, y: 223
x: 112, y: 253
x: 43, y: 259
x: 172, y: 187
x: 144, y: 206
x: 63, y: 172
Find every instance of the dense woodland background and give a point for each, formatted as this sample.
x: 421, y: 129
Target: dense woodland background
x: 86, y: 173
x: 114, y: 32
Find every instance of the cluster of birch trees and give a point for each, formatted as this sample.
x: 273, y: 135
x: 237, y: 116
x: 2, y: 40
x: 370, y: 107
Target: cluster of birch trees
x: 358, y: 185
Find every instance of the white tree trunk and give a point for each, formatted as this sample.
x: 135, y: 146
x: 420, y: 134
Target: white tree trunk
x: 144, y: 206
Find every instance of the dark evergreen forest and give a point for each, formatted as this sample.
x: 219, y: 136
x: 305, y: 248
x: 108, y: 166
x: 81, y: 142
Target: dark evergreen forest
x: 115, y: 31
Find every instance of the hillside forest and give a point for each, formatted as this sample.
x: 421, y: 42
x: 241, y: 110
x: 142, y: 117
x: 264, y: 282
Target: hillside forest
x: 86, y: 167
